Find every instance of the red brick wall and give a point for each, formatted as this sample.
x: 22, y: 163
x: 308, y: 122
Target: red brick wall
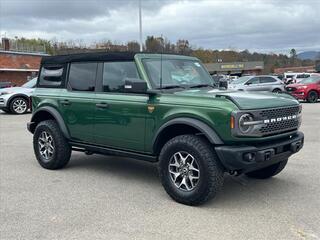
x: 17, y: 78
x: 10, y: 60
x: 18, y: 61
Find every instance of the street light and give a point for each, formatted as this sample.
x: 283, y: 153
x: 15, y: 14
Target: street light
x: 140, y: 26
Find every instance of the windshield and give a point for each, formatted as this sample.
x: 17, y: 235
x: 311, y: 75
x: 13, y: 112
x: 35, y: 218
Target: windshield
x: 312, y: 79
x: 241, y: 80
x: 30, y: 84
x: 176, y: 72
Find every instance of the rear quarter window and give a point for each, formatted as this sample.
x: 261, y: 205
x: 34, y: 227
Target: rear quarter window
x: 51, y: 75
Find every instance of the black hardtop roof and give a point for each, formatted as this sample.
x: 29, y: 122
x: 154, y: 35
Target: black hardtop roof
x: 87, y: 57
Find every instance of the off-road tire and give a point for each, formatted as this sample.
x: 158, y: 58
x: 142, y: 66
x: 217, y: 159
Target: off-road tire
x: 312, y: 97
x: 211, y: 172
x: 269, y: 171
x: 15, y: 101
x: 62, y: 149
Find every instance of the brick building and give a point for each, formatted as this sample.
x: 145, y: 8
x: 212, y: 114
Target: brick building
x: 18, y: 67
x: 236, y: 68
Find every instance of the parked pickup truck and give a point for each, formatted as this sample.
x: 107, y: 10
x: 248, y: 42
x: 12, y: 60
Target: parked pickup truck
x: 164, y: 109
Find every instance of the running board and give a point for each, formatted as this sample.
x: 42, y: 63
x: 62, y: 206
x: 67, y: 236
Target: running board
x: 83, y: 147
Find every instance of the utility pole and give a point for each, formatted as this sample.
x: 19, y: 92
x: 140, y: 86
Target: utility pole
x: 140, y: 27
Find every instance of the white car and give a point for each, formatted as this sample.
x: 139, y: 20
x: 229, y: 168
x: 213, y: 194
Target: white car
x: 17, y: 99
x: 295, y: 77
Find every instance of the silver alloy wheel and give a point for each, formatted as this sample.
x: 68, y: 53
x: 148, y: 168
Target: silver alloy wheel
x: 46, y: 145
x: 184, y: 171
x: 19, y: 106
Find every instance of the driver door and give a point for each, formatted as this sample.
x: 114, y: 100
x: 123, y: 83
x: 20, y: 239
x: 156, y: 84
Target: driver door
x: 253, y: 84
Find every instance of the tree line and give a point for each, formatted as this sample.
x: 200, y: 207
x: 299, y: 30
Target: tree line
x: 154, y: 44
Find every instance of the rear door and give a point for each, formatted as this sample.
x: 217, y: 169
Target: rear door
x: 268, y: 83
x: 77, y: 101
x: 119, y: 117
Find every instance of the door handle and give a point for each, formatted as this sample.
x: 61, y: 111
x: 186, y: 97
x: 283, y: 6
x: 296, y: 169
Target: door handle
x: 65, y: 102
x: 102, y: 105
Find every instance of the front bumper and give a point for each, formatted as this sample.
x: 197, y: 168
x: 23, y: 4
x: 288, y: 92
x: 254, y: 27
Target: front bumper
x: 248, y: 158
x: 298, y: 95
x: 4, y: 100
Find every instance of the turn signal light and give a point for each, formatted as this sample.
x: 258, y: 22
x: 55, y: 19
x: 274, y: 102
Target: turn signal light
x: 232, y: 122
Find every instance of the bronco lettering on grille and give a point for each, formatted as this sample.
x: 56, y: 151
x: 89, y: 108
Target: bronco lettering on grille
x: 279, y: 119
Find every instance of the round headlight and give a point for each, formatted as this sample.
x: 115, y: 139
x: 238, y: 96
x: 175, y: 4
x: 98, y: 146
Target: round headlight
x: 243, y: 120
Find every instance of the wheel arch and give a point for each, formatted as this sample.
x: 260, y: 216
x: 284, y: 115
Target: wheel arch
x: 180, y: 126
x: 19, y: 95
x: 46, y: 113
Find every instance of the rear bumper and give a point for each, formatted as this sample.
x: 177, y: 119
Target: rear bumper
x: 248, y: 158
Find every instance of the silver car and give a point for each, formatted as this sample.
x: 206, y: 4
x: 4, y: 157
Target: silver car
x: 17, y: 99
x: 258, y: 83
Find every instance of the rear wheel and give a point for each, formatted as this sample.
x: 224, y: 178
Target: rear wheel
x: 50, y: 146
x: 268, y: 171
x: 312, y: 97
x: 19, y: 105
x: 277, y: 90
x: 189, y: 170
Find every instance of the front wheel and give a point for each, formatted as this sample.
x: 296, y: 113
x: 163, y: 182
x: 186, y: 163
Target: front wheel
x: 189, y: 169
x: 50, y: 146
x: 312, y: 97
x: 269, y: 171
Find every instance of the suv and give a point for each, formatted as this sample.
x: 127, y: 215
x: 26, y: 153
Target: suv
x: 161, y: 108
x: 17, y: 99
x: 258, y: 83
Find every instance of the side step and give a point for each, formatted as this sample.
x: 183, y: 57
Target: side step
x: 90, y: 149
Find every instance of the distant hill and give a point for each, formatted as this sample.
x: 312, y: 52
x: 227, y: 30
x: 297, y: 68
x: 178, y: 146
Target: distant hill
x: 309, y: 55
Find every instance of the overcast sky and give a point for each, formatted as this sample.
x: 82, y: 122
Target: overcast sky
x: 264, y: 26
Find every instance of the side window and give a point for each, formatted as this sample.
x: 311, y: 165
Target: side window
x: 51, y: 75
x: 254, y: 80
x: 267, y: 80
x: 115, y: 74
x: 82, y: 76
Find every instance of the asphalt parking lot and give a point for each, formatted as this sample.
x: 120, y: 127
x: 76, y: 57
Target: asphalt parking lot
x: 99, y: 197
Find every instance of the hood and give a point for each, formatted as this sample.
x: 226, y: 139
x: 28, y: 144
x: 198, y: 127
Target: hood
x: 16, y: 90
x: 245, y: 100
x: 295, y: 85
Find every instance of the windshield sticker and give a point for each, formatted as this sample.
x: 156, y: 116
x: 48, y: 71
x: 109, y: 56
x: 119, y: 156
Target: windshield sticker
x: 197, y: 64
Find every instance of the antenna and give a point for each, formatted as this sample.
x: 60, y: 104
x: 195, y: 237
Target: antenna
x: 161, y: 61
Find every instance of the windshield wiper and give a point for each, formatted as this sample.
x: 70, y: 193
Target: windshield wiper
x: 171, y: 87
x: 201, y: 85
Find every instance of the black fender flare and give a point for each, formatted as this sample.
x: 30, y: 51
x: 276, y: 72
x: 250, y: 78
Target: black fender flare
x: 55, y: 114
x: 202, y: 127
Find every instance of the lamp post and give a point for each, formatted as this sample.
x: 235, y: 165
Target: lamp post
x: 140, y: 26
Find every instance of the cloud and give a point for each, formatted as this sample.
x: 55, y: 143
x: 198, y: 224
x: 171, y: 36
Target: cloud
x: 248, y: 24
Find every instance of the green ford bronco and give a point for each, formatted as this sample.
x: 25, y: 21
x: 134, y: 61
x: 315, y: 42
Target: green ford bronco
x: 164, y: 109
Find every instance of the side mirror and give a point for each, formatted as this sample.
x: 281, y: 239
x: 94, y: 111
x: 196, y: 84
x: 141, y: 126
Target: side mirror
x: 135, y: 86
x: 223, y: 84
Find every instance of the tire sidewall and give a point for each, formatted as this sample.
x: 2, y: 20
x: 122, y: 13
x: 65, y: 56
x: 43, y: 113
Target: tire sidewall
x: 12, y: 102
x: 311, y: 100
x: 201, y: 186
x: 38, y: 131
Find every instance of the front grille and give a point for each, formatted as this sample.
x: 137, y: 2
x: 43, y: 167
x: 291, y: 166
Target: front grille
x: 276, y: 126
x: 280, y: 112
